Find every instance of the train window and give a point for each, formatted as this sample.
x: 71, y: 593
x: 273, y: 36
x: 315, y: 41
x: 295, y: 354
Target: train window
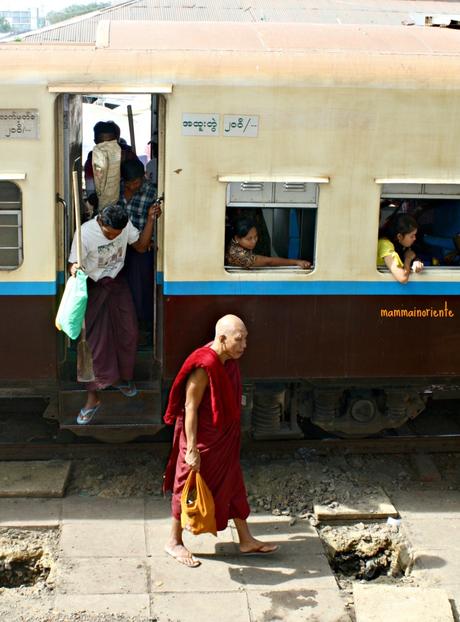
x: 436, y: 209
x: 284, y: 215
x: 10, y: 226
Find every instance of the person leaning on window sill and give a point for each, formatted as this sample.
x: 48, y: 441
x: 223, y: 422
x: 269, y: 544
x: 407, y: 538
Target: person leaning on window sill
x: 240, y: 252
x: 394, y: 248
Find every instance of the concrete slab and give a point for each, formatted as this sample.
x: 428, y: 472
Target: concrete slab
x: 190, y: 607
x: 376, y: 505
x: 14, y: 609
x: 425, y: 504
x: 103, y: 539
x: 298, y: 539
x: 309, y: 604
x: 214, y: 575
x: 34, y: 478
x: 435, y: 534
x: 157, y: 508
x: 284, y: 573
x: 380, y: 603
x: 30, y: 512
x: 110, y: 604
x: 87, y: 509
x: 114, y: 575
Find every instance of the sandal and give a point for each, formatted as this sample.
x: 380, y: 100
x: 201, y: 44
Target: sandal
x: 86, y: 414
x: 128, y: 388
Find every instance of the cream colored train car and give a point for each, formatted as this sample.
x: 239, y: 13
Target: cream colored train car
x: 316, y: 130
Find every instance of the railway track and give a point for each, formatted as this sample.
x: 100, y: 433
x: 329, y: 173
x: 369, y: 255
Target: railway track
x: 448, y: 443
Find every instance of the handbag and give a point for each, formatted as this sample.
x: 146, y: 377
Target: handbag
x: 197, y: 506
x: 72, y: 307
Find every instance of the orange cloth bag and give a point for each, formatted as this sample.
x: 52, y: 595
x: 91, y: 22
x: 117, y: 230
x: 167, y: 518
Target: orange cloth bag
x: 197, y: 506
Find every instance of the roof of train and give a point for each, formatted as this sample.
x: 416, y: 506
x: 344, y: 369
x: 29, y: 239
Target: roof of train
x: 82, y: 29
x: 278, y: 54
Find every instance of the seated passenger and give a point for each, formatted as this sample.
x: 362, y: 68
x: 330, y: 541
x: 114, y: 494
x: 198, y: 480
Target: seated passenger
x: 240, y: 251
x: 394, y: 247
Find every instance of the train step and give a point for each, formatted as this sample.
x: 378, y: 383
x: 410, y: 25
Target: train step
x: 119, y: 419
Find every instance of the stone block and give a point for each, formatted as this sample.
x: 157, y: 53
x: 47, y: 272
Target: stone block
x: 112, y: 575
x: 292, y: 605
x: 129, y: 605
x: 29, y: 513
x: 34, y: 478
x: 86, y: 509
x: 190, y: 607
x: 103, y: 539
x: 380, y: 603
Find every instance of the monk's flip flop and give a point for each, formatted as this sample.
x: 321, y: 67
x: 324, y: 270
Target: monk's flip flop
x: 259, y: 552
x: 128, y: 389
x: 182, y: 559
x: 86, y: 414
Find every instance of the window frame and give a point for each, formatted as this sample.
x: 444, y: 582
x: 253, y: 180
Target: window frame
x: 19, y: 226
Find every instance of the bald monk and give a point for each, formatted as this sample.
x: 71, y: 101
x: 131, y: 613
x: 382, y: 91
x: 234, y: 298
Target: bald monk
x: 204, y: 404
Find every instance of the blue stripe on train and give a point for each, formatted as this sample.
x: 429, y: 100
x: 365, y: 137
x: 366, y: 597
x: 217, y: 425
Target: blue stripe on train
x: 263, y: 288
x: 28, y: 288
x: 316, y: 288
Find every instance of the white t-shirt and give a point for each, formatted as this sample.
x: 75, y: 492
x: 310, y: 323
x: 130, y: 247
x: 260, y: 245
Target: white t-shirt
x: 100, y: 256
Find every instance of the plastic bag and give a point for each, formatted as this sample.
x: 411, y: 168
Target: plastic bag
x: 197, y: 506
x: 72, y: 309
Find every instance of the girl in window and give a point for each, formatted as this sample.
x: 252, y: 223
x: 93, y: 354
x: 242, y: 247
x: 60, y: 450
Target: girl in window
x: 394, y: 247
x: 240, y: 251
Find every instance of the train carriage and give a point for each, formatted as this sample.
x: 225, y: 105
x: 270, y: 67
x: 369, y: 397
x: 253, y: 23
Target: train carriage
x: 313, y: 127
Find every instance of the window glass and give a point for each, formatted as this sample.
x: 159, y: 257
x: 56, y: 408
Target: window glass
x: 10, y: 226
x: 436, y: 210
x: 284, y: 217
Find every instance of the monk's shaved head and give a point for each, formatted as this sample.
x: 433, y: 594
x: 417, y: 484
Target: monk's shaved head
x: 229, y: 324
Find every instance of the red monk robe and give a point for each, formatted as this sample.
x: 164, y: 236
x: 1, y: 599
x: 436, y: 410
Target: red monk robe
x: 218, y: 436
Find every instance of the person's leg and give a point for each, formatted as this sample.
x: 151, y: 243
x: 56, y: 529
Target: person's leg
x: 92, y: 399
x: 176, y: 548
x: 249, y: 544
x: 124, y: 326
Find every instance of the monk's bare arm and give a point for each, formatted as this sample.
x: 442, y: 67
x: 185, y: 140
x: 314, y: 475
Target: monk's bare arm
x: 194, y: 391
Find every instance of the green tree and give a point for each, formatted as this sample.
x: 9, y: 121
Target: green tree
x: 53, y: 17
x: 5, y: 25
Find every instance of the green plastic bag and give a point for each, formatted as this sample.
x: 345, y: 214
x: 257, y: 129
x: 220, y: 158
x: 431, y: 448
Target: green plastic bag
x: 72, y: 309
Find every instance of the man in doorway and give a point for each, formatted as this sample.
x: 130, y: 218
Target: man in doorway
x: 111, y: 326
x: 138, y: 195
x: 204, y: 404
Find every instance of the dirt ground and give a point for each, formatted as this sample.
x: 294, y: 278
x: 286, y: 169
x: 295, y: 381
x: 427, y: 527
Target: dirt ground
x: 280, y: 483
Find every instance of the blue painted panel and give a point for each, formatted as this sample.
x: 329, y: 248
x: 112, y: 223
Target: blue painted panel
x: 313, y: 288
x: 28, y: 288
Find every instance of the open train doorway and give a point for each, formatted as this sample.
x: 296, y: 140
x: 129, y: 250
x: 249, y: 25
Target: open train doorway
x: 138, y: 121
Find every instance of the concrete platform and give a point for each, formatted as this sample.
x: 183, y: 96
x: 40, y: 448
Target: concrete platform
x: 381, y: 603
x: 111, y: 561
x: 34, y: 478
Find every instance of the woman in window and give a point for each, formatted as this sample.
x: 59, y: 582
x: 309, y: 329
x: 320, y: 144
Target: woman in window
x: 240, y: 252
x: 394, y: 247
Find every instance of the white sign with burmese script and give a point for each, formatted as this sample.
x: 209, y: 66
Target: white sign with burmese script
x: 200, y: 124
x: 241, y: 125
x: 19, y: 123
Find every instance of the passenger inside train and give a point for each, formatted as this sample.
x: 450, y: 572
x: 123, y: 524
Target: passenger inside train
x: 138, y: 195
x: 437, y: 243
x: 104, y: 132
x: 395, y: 247
x: 240, y: 250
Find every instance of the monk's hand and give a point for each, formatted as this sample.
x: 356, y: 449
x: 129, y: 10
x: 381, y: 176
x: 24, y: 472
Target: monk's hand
x: 193, y: 458
x: 73, y: 269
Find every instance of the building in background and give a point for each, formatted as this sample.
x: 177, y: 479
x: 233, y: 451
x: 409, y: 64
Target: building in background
x: 24, y: 20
